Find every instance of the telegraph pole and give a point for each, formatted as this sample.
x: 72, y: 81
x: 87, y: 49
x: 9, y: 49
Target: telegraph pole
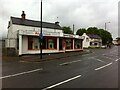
x: 41, y: 35
x: 105, y: 25
x: 73, y: 28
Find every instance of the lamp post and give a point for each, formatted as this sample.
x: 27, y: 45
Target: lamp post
x: 73, y: 28
x: 41, y: 35
x: 106, y: 30
x: 106, y: 25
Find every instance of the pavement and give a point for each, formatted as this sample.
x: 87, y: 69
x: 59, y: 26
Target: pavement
x: 45, y: 57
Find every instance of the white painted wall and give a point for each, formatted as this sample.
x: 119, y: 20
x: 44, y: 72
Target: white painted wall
x: 86, y: 44
x: 10, y: 43
x: 37, y: 29
x: 24, y: 44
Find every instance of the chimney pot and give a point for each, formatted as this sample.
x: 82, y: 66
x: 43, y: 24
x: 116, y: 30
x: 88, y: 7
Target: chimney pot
x: 57, y: 23
x: 23, y: 15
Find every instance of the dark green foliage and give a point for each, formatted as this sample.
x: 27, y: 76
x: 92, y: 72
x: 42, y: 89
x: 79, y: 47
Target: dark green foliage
x: 118, y: 38
x: 81, y: 31
x: 67, y: 30
x: 105, y: 35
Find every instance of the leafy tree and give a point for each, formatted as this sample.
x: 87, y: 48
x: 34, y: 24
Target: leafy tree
x: 93, y: 30
x: 67, y: 30
x: 81, y: 31
x: 118, y: 38
x: 105, y: 35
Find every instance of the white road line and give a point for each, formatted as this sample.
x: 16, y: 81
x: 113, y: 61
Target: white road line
x: 103, y: 66
x: 117, y: 59
x: 86, y: 55
x: 13, y: 75
x: 62, y: 82
x: 108, y: 57
x: 92, y: 57
x: 70, y: 62
x: 100, y: 60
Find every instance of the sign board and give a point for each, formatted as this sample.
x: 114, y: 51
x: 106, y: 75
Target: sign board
x: 41, y: 36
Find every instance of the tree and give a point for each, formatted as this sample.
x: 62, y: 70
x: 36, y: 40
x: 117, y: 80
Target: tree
x: 67, y: 30
x: 81, y: 31
x: 106, y: 36
x: 93, y: 30
x: 118, y: 38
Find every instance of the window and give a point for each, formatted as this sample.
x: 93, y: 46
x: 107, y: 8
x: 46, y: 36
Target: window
x: 44, y: 45
x: 77, y: 44
x: 95, y: 44
x: 87, y: 39
x: 36, y: 43
x: 52, y: 43
x: 69, y: 43
x: 30, y: 42
x: 47, y: 43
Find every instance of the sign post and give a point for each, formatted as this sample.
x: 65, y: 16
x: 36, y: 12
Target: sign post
x: 41, y: 36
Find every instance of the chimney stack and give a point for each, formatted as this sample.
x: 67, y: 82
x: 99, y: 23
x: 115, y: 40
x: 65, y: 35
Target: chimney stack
x: 23, y: 15
x: 57, y: 23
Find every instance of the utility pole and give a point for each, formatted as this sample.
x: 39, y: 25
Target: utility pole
x: 41, y: 35
x: 106, y: 25
x: 73, y: 28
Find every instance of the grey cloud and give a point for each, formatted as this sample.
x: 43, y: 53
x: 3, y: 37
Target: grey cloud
x: 82, y: 13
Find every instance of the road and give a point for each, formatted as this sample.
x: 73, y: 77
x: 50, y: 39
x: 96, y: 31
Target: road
x: 94, y: 70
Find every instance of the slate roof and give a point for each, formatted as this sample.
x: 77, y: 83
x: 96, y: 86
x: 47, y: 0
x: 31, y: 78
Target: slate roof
x: 94, y: 36
x: 33, y: 23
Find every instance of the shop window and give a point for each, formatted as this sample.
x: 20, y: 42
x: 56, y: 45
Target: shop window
x: 52, y: 43
x: 77, y: 44
x: 61, y: 44
x: 68, y: 43
x: 44, y: 45
x: 30, y: 42
x: 36, y: 43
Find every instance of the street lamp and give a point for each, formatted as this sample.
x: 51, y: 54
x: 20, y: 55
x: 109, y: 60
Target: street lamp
x: 73, y: 28
x: 106, y: 25
x: 106, y: 29
x: 41, y: 35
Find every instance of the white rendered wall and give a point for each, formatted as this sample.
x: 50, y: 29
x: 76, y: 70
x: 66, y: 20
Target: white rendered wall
x: 37, y: 29
x: 86, y: 44
x: 24, y: 44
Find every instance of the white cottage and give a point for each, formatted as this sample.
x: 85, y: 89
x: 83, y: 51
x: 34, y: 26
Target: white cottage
x: 91, y: 40
x: 23, y: 36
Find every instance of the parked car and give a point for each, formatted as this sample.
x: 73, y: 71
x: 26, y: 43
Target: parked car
x: 103, y: 46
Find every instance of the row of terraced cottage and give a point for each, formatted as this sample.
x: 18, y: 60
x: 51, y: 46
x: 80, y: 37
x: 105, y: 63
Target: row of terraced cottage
x: 23, y: 37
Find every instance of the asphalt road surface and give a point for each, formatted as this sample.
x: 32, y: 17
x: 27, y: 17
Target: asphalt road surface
x: 94, y: 70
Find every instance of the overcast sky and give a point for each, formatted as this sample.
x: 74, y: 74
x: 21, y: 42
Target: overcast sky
x: 81, y: 13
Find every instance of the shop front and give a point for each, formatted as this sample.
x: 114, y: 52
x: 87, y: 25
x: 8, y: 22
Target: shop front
x: 30, y: 44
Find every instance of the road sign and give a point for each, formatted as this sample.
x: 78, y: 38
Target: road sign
x: 41, y: 36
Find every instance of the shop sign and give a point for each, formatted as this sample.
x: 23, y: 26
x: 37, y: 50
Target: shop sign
x: 69, y: 35
x: 31, y: 32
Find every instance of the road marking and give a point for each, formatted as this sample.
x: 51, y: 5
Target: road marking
x: 62, y: 82
x: 13, y: 75
x: 70, y: 62
x: 108, y: 57
x: 86, y: 55
x: 103, y: 66
x: 92, y: 57
x: 99, y: 60
x: 117, y: 59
